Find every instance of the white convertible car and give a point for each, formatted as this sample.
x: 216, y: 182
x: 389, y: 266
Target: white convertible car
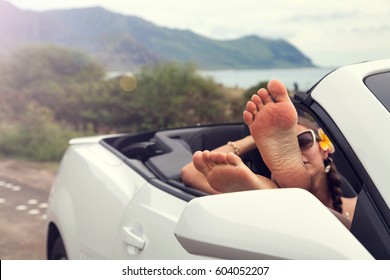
x: 121, y: 197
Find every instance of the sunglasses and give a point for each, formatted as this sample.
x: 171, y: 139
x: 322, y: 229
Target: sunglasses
x: 306, y: 139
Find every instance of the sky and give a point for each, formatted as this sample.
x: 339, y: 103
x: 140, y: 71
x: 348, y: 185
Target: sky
x: 330, y: 32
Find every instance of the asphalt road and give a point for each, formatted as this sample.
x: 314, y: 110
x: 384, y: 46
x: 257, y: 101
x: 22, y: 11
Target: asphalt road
x: 22, y: 221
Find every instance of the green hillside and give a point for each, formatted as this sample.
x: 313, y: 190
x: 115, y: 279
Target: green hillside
x: 123, y: 42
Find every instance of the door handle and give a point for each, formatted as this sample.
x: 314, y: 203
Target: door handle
x: 133, y: 237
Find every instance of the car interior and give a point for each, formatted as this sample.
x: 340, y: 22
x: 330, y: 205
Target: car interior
x: 159, y: 156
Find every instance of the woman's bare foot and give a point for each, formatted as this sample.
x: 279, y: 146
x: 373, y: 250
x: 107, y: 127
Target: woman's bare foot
x: 225, y: 172
x: 272, y: 121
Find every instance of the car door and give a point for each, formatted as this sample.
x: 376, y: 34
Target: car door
x: 147, y: 226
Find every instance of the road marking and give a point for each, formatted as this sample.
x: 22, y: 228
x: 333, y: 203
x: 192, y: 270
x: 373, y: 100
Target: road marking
x: 31, y: 207
x: 32, y: 201
x: 21, y: 207
x: 16, y: 188
x: 33, y: 212
x: 43, y: 205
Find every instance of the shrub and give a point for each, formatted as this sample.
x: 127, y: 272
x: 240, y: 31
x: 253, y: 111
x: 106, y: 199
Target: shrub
x: 36, y: 137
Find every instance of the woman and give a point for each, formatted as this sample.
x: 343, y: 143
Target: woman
x: 295, y: 150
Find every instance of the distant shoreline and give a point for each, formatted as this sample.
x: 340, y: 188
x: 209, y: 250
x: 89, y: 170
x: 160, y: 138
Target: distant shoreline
x: 303, y: 77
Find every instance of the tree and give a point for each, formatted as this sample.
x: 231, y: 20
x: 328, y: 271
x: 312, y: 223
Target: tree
x: 172, y: 94
x: 49, y: 94
x: 53, y: 77
x: 36, y: 136
x: 252, y: 90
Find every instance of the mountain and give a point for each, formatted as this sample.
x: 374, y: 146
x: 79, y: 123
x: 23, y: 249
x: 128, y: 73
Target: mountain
x: 122, y: 42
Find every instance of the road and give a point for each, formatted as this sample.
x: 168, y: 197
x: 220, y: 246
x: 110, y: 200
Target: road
x: 22, y: 221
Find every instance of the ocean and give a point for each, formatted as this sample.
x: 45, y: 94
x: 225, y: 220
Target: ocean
x: 303, y: 78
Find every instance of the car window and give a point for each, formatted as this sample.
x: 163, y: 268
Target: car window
x: 379, y: 84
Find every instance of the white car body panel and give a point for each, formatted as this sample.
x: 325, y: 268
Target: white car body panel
x: 152, y: 214
x: 209, y: 225
x: 113, y: 208
x: 106, y: 204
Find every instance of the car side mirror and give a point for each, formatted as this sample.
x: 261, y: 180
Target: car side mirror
x: 265, y: 224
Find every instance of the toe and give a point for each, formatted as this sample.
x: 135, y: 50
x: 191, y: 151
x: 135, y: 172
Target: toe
x: 250, y: 112
x: 248, y: 117
x: 251, y: 107
x: 257, y: 101
x: 218, y: 158
x: 264, y: 96
x: 233, y: 159
x: 200, y: 163
x: 278, y: 91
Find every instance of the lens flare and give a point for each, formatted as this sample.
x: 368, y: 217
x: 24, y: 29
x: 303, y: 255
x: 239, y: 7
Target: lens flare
x: 128, y: 82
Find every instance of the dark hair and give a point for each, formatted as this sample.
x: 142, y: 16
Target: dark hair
x: 333, y: 176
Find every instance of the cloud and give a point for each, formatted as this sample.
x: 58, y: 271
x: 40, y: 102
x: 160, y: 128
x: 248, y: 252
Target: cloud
x: 321, y: 17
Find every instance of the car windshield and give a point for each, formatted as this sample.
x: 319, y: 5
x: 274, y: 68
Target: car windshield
x: 379, y: 84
